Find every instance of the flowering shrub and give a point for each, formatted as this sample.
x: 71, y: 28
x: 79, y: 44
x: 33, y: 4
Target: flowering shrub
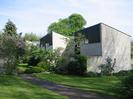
x: 11, y: 48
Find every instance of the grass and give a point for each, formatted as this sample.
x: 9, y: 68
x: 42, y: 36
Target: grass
x: 103, y: 85
x: 13, y: 87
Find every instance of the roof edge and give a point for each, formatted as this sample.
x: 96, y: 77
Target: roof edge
x: 115, y: 29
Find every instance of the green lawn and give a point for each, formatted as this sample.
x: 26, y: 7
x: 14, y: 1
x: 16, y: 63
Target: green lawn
x: 104, y: 85
x: 13, y: 87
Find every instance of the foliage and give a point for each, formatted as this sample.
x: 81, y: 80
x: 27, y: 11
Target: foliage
x: 78, y: 41
x: 68, y: 25
x: 71, y: 61
x: 78, y: 63
x: 29, y: 49
x: 46, y: 59
x: 12, y: 47
x: 31, y: 37
x: 10, y: 28
x: 108, y: 67
x: 61, y: 66
x: 92, y: 74
x: 51, y: 58
x: 76, y: 22
x: 77, y: 66
x: 43, y: 65
x: 33, y: 55
x: 34, y: 70
x: 126, y: 88
x: 33, y: 61
x: 123, y: 73
x: 21, y: 70
x: 23, y: 65
x: 60, y: 62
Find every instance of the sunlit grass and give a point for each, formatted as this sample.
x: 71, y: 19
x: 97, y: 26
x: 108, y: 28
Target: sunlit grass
x: 103, y: 85
x: 13, y: 87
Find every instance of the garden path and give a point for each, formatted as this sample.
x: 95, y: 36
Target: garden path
x: 70, y: 92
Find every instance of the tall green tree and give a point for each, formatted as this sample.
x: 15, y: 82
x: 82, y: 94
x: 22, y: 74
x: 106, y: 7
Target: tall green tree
x: 11, y: 47
x: 31, y: 37
x: 68, y: 26
x: 10, y: 28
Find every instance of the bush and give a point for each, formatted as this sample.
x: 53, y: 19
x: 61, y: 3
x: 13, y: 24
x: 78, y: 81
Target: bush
x: 34, y: 70
x: 127, y: 87
x: 33, y: 61
x: 23, y: 65
x: 108, y: 67
x: 61, y: 66
x: 21, y: 70
x: 92, y: 74
x: 77, y: 66
x: 73, y: 67
x: 122, y: 73
x: 61, y: 70
x: 61, y: 62
x: 43, y: 65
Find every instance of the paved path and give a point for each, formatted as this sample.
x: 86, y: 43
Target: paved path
x: 70, y: 92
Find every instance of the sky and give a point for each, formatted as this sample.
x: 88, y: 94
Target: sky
x: 36, y: 15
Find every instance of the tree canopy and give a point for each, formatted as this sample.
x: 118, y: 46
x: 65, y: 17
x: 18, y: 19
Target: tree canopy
x: 10, y: 28
x: 31, y: 37
x: 68, y: 26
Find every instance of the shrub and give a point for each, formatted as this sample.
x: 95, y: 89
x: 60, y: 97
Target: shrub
x: 61, y: 66
x: 43, y: 65
x: 33, y: 61
x: 73, y: 67
x: 108, y: 67
x: 61, y: 62
x: 34, y: 70
x: 21, y: 70
x: 122, y: 73
x: 23, y: 65
x: 92, y: 74
x: 77, y: 66
x: 61, y: 70
x: 127, y: 87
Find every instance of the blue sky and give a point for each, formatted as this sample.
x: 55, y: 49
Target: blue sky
x: 36, y: 15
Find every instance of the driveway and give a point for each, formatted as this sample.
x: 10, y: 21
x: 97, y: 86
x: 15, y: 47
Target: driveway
x: 70, y: 92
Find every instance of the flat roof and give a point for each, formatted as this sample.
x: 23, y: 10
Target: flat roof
x: 105, y: 25
x: 115, y: 29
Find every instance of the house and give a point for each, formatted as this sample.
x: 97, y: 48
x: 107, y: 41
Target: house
x: 100, y: 42
x: 53, y: 41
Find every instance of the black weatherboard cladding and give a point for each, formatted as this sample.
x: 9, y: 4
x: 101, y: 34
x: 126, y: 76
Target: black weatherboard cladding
x: 91, y: 33
x: 46, y: 39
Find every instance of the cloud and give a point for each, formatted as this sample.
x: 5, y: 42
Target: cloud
x: 36, y: 15
x: 117, y: 13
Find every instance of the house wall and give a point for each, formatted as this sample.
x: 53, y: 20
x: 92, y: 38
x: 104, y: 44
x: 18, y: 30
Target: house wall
x: 59, y: 41
x: 115, y: 45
